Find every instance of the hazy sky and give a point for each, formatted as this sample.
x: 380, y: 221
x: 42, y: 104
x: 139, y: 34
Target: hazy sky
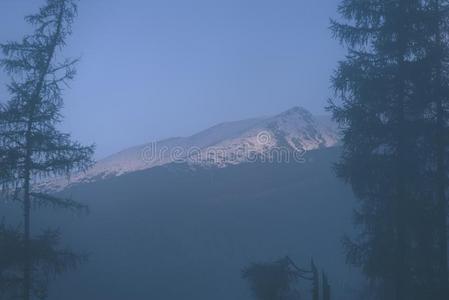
x: 153, y: 69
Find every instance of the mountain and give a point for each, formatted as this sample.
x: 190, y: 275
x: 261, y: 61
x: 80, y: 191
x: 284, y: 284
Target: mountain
x: 177, y: 228
x: 173, y: 232
x: 284, y: 136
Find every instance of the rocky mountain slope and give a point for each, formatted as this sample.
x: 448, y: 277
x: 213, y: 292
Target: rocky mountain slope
x: 285, y: 136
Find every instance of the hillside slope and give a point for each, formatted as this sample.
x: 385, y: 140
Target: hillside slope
x: 173, y: 232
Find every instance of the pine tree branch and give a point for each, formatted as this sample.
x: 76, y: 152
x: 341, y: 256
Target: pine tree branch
x: 45, y: 200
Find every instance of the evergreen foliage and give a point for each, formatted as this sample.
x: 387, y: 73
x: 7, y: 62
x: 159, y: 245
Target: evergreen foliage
x: 31, y: 146
x: 392, y: 91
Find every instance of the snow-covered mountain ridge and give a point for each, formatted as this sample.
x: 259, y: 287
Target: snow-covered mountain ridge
x: 292, y: 132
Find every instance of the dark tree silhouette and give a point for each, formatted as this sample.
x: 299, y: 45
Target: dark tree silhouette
x: 276, y: 280
x: 11, y: 262
x: 392, y: 111
x: 326, y: 287
x: 437, y: 66
x: 31, y: 147
x: 315, y: 282
x: 270, y: 281
x: 47, y: 260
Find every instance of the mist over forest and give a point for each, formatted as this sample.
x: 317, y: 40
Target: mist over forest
x: 224, y: 150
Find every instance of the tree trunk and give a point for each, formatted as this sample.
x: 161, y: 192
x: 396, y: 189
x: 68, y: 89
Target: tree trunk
x: 27, y: 251
x: 35, y: 98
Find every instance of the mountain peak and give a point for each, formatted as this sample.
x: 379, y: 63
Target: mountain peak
x: 299, y: 110
x: 221, y: 145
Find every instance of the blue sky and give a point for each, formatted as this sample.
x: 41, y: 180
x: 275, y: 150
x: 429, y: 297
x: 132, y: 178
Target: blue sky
x: 152, y: 69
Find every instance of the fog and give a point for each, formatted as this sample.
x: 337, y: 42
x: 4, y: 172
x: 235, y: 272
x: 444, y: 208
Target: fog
x: 235, y: 149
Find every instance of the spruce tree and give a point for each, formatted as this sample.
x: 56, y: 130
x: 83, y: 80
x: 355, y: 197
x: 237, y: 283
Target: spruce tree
x: 436, y: 49
x: 48, y: 258
x: 381, y: 109
x: 31, y: 146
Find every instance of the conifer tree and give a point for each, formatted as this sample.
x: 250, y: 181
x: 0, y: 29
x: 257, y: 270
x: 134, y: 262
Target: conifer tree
x: 31, y: 146
x: 436, y: 49
x: 47, y: 257
x: 382, y: 111
x: 271, y: 281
